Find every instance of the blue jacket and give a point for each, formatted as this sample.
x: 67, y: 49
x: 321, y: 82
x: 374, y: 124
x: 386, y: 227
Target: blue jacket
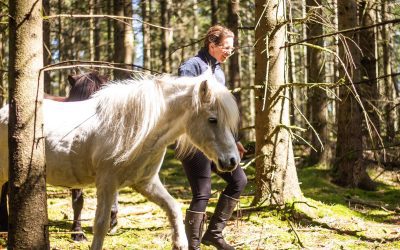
x: 196, y: 65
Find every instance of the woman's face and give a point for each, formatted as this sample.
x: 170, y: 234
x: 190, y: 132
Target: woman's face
x: 222, y: 51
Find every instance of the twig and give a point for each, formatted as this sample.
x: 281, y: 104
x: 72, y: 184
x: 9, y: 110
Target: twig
x: 342, y: 32
x: 368, y: 204
x: 247, y: 242
x: 186, y: 45
x: 118, y: 18
x: 67, y: 232
x: 94, y: 64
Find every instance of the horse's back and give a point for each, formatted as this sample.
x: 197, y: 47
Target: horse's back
x: 69, y: 127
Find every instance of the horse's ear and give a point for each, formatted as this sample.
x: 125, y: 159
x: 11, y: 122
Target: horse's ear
x: 205, y: 93
x: 71, y: 80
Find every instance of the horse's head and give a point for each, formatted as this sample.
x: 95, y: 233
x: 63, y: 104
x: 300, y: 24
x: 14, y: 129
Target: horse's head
x: 84, y: 85
x: 213, y: 123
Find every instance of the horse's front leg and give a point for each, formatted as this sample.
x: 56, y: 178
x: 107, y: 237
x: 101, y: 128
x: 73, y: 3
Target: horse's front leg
x: 114, y: 212
x: 77, y: 205
x: 156, y: 192
x: 105, y: 197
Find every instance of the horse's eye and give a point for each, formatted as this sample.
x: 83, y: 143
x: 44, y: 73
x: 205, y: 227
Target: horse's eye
x: 212, y: 120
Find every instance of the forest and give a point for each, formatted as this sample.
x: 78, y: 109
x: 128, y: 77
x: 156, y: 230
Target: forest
x: 317, y: 83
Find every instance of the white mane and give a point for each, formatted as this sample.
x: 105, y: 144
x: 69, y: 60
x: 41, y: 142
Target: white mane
x: 130, y: 109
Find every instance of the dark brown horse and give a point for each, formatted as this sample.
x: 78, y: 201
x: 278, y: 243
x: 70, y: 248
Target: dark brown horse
x: 82, y: 87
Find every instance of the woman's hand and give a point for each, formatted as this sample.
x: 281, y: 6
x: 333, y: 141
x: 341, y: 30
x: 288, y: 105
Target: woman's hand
x: 241, y: 149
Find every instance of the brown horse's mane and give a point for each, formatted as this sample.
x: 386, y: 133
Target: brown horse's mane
x: 82, y: 87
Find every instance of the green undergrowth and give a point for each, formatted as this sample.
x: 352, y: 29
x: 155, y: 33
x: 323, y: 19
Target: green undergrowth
x: 338, y: 218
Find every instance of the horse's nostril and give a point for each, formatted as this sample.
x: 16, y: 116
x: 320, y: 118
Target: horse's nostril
x: 233, y: 161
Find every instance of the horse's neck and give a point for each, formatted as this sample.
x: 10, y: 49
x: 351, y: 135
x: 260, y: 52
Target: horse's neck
x: 178, y: 97
x: 178, y: 100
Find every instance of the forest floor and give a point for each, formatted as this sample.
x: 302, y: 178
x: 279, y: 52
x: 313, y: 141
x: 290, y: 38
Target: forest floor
x: 342, y: 218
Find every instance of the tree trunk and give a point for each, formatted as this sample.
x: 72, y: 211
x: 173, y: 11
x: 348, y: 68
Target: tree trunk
x: 214, y: 12
x: 247, y: 72
x: 195, y: 46
x: 2, y: 85
x: 110, y: 39
x: 317, y: 96
x: 119, y: 38
x: 165, y: 39
x: 276, y: 175
x: 46, y: 46
x: 61, y: 48
x: 234, y: 69
x: 389, y: 113
x: 349, y: 170
x: 92, y: 6
x: 96, y: 35
x: 28, y: 222
x: 129, y: 38
x: 369, y: 88
x: 146, y: 29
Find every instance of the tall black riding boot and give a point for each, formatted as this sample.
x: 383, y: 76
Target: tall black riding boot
x: 194, y: 222
x: 222, y: 213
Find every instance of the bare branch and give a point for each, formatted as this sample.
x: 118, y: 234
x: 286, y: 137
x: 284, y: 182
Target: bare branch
x: 393, y: 21
x: 118, y: 18
x: 94, y: 64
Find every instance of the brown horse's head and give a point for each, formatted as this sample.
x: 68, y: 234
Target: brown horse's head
x: 84, y: 85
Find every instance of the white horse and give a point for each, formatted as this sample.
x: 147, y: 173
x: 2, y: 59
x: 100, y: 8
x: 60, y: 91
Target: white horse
x: 119, y: 137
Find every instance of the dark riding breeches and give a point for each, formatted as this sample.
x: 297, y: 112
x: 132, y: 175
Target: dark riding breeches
x: 198, y: 170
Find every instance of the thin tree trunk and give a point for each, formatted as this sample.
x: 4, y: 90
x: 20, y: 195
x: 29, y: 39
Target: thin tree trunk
x: 146, y: 29
x: 389, y: 113
x: 92, y: 6
x: 119, y: 46
x: 234, y: 70
x: 165, y: 36
x: 28, y: 222
x: 276, y: 175
x: 96, y: 33
x: 317, y: 96
x: 349, y: 169
x: 2, y: 85
x: 195, y: 46
x: 369, y: 91
x: 248, y: 106
x: 214, y: 12
x: 110, y: 37
x: 61, y: 47
x: 46, y: 46
x: 129, y: 38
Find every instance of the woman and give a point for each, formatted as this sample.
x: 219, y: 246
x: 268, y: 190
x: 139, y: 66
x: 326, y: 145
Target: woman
x: 218, y: 46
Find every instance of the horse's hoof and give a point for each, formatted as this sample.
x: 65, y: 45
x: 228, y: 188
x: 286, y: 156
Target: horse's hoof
x: 113, y: 227
x: 182, y: 246
x: 112, y: 231
x: 79, y: 237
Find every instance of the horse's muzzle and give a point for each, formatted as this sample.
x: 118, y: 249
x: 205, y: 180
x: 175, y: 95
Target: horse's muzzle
x: 228, y: 165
